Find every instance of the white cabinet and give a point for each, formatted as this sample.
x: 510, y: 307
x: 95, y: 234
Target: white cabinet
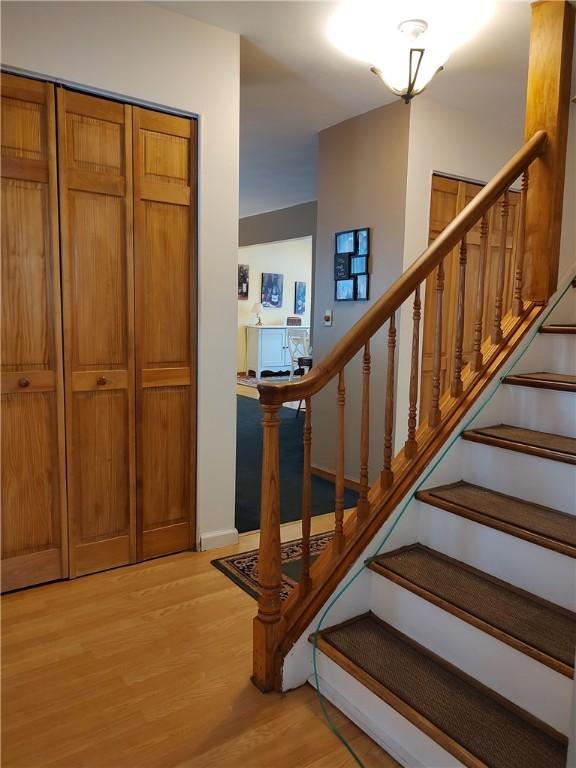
x: 267, y: 348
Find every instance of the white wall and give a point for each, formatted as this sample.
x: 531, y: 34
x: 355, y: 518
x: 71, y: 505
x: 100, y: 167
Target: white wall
x: 145, y: 52
x: 471, y: 145
x: 290, y: 258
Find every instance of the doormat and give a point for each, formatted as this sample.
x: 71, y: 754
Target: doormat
x: 242, y: 569
x: 252, y: 381
x: 247, y: 381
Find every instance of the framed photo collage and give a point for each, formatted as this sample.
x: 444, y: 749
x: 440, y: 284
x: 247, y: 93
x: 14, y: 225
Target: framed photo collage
x: 351, y: 254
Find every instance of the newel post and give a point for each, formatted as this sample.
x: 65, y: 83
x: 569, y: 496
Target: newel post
x: 267, y: 622
x: 547, y: 108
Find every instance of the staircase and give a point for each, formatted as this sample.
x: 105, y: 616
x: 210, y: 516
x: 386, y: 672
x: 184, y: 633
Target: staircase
x: 442, y: 612
x: 465, y: 655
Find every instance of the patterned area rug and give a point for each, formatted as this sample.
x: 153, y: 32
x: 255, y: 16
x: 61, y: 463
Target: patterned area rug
x: 247, y: 381
x: 243, y: 569
x: 252, y: 381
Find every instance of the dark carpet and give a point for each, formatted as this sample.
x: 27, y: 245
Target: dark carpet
x: 249, y: 464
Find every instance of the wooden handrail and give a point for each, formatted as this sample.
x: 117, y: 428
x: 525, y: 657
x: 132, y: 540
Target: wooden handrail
x: 360, y: 333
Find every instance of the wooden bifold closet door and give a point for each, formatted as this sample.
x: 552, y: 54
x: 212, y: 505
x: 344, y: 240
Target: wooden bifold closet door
x: 98, y: 333
x: 95, y: 164
x: 128, y: 250
x: 165, y: 250
x: 34, y: 546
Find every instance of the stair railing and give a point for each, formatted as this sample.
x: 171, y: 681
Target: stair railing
x: 494, y: 333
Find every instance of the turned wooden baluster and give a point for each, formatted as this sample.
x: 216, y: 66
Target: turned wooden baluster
x: 387, y: 476
x: 339, y: 500
x: 305, y: 582
x: 501, y: 271
x: 362, y: 506
x: 477, y: 361
x: 456, y: 388
x: 517, y: 305
x: 411, y: 446
x: 267, y: 622
x: 435, y: 415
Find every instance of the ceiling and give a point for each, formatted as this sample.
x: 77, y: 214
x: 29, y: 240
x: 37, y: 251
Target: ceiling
x: 294, y: 83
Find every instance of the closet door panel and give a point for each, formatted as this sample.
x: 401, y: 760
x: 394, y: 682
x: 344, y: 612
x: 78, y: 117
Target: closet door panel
x: 165, y: 270
x: 99, y: 289
x: 95, y: 141
x: 165, y: 335
x: 165, y: 467
x: 34, y: 530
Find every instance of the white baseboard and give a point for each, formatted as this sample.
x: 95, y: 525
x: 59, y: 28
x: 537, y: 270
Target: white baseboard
x: 216, y: 539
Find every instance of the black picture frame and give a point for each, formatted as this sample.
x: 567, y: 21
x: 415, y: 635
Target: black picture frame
x: 345, y: 242
x: 299, y: 298
x: 362, y: 242
x: 362, y: 287
x: 341, y: 266
x: 344, y: 290
x: 243, y: 282
x: 358, y: 265
x: 272, y: 290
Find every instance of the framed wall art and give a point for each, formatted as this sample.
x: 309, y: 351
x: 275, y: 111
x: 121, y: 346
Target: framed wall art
x: 341, y: 266
x: 345, y: 290
x: 359, y: 265
x: 299, y: 298
x: 351, y: 255
x: 346, y: 241
x: 362, y: 242
x: 272, y: 290
x: 362, y: 288
x: 243, y: 281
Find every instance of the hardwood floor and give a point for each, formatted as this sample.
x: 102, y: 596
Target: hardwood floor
x: 149, y: 666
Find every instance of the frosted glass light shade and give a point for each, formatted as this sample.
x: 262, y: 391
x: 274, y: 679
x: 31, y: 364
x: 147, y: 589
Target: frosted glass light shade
x: 394, y: 67
x: 382, y: 32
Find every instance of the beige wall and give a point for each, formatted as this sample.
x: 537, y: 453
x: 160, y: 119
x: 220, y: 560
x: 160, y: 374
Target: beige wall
x: 138, y: 50
x: 290, y: 258
x: 361, y: 183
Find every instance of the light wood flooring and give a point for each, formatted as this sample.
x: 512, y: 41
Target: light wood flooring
x: 149, y: 666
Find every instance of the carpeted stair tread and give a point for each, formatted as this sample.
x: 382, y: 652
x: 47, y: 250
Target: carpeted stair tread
x: 536, y: 626
x: 435, y: 695
x: 558, y: 328
x: 561, y: 382
x: 545, y: 444
x: 492, y: 508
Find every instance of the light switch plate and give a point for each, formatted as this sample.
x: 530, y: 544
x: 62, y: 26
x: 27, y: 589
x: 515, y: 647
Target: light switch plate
x: 328, y: 317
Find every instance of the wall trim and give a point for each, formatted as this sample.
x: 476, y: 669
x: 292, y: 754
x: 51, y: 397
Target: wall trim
x: 327, y: 474
x: 215, y: 539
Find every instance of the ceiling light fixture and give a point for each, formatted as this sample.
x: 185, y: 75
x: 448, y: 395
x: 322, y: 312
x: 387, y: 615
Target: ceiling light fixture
x: 409, y: 66
x: 406, y: 42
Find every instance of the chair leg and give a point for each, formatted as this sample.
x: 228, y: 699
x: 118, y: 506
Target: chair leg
x: 298, y: 411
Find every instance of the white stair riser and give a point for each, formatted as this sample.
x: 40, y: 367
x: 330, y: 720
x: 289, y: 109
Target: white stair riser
x: 410, y: 746
x: 543, y: 481
x: 509, y: 672
x: 352, y: 602
x: 550, y: 575
x: 565, y: 309
x: 534, y: 408
x: 552, y: 352
x: 542, y: 409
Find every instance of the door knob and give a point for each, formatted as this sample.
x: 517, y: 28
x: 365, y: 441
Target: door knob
x: 101, y: 380
x: 23, y: 383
